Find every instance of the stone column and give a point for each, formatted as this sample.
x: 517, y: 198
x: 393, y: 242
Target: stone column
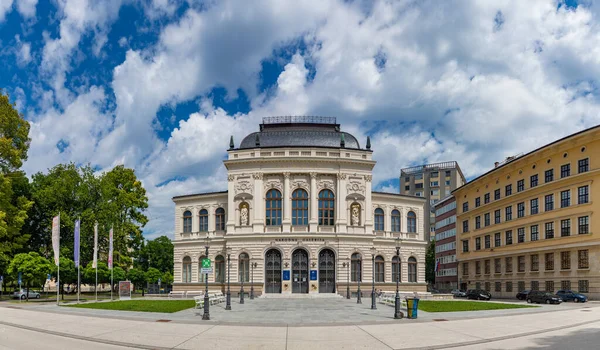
x: 259, y: 203
x: 314, y: 203
x: 231, y: 210
x: 368, y: 205
x: 387, y: 220
x: 287, y: 203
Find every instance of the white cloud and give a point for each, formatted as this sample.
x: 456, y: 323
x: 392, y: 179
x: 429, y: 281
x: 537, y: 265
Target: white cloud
x: 27, y: 8
x: 5, y: 8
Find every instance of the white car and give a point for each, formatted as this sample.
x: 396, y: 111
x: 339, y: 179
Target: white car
x: 22, y: 294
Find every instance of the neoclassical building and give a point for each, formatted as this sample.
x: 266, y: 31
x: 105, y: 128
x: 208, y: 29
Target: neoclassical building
x: 299, y: 216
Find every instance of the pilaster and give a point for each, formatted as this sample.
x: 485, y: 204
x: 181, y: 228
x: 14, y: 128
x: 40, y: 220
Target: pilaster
x: 287, y: 207
x: 259, y: 203
x: 231, y: 215
x: 368, y: 204
x: 314, y: 203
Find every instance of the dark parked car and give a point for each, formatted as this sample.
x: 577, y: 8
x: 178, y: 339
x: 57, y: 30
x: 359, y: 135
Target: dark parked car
x: 568, y: 295
x: 478, y: 294
x: 522, y: 295
x: 539, y: 297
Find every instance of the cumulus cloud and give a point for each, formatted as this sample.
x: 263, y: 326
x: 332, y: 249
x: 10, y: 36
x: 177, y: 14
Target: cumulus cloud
x: 5, y: 8
x: 27, y: 8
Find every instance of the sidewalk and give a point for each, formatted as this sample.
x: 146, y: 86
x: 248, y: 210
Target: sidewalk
x: 402, y: 335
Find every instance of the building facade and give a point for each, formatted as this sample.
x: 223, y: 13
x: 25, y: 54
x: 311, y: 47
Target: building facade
x: 433, y: 182
x: 446, y: 271
x: 529, y: 223
x: 299, y: 216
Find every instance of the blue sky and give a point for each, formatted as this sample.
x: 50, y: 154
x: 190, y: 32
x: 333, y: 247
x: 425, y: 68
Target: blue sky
x: 160, y: 85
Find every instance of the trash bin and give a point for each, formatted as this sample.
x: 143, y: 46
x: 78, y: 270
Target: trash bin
x: 412, y: 305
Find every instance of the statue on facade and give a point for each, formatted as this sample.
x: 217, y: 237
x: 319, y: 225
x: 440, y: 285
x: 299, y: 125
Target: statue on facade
x: 244, y: 216
x: 355, y: 215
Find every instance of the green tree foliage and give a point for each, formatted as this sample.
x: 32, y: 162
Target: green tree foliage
x: 152, y: 275
x: 430, y: 263
x: 157, y: 253
x: 14, y: 136
x: 33, y: 268
x: 167, y: 278
x: 68, y: 272
x: 89, y: 273
x: 118, y: 275
x: 137, y: 277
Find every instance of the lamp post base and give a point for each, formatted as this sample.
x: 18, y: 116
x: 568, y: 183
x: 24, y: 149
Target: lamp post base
x: 373, y: 300
x: 252, y: 293
x: 348, y: 292
x: 358, y: 298
x: 398, y: 315
x: 242, y: 296
x: 206, y: 314
x: 228, y: 305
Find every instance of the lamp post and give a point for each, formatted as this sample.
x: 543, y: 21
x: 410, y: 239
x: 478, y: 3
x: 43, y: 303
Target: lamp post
x: 373, y: 303
x: 397, y: 313
x: 243, y: 266
x: 347, y: 266
x: 228, y: 305
x: 358, y: 278
x: 253, y: 265
x: 206, y: 315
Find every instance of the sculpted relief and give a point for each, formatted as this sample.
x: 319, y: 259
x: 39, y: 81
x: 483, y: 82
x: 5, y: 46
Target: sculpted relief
x: 244, y: 186
x: 355, y: 211
x: 355, y: 186
x: 244, y: 214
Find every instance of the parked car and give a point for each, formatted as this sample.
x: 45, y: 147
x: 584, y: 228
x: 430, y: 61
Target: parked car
x: 522, y: 295
x: 539, y: 297
x: 568, y: 295
x: 459, y: 293
x: 479, y: 294
x: 22, y: 294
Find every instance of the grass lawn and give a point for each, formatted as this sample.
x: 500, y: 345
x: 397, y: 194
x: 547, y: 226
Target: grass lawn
x: 450, y: 306
x: 167, y: 306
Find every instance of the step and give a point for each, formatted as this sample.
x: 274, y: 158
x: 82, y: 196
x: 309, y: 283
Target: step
x: 300, y: 296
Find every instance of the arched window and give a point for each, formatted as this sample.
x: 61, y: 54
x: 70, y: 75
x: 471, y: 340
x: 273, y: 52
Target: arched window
x: 411, y: 222
x: 187, y: 221
x: 201, y: 276
x: 379, y: 217
x: 220, y: 219
x: 356, y: 267
x: 395, y: 220
x: 244, y: 268
x: 300, y: 207
x: 379, y: 269
x: 273, y: 212
x: 203, y: 220
x: 396, y: 272
x: 412, y: 269
x: 186, y: 271
x: 220, y: 269
x: 326, y: 208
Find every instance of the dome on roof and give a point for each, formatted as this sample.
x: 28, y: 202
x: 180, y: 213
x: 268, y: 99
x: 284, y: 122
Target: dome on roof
x: 299, y: 132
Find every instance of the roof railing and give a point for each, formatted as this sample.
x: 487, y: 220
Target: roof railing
x: 307, y: 119
x: 434, y: 166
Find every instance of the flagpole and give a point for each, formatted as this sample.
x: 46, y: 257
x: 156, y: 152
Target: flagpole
x: 78, y: 264
x: 112, y: 267
x: 58, y: 267
x: 96, y: 257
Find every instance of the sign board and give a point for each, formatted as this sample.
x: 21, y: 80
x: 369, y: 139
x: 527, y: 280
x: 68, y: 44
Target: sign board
x: 313, y: 275
x: 206, y: 263
x: 48, y: 277
x: 286, y: 275
x: 206, y: 270
x: 125, y: 290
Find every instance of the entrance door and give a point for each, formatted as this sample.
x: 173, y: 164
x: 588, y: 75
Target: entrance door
x: 273, y: 271
x: 326, y: 271
x: 300, y: 271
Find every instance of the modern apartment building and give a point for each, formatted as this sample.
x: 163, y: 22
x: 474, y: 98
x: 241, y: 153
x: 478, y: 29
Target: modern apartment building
x: 446, y: 274
x: 529, y: 222
x: 434, y: 182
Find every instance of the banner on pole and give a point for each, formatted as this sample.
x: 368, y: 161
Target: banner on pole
x: 76, y: 248
x: 95, y: 262
x: 56, y: 238
x: 110, y: 249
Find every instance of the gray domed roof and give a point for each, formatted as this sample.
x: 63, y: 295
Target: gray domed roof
x: 299, y: 132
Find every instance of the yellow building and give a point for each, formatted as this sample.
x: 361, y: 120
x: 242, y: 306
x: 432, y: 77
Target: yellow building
x: 529, y: 222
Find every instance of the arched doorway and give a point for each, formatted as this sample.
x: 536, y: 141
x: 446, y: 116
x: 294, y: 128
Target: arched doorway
x: 300, y: 271
x: 326, y: 271
x: 273, y: 271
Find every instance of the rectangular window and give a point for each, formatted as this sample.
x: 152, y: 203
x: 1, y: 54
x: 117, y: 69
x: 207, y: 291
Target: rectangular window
x: 477, y: 202
x: 435, y: 174
x: 497, y: 216
x: 535, y: 235
x: 419, y: 185
x: 487, y: 286
x: 565, y: 170
x: 535, y: 285
x: 535, y: 263
x: 509, y: 287
x: 565, y: 198
x: 521, y: 209
x: 486, y: 219
x: 584, y: 286
x: 465, y: 246
x: 565, y: 285
x: 497, y: 194
x: 487, y: 267
x: 498, y: 286
x: 478, y: 267
x: 508, y: 237
x: 550, y: 286
x: 407, y: 179
x: 466, y: 226
x: 477, y: 222
x: 508, y: 264
x: 565, y: 227
x: 533, y: 181
x: 508, y: 190
x: 447, y: 182
x: 583, y: 225
x: 508, y: 213
x: 486, y: 198
x: 521, y: 234
x: 448, y: 173
x: 583, y: 194
x: 565, y: 260
x: 520, y: 185
x: 465, y: 207
x: 434, y: 184
x: 549, y: 261
x: 521, y: 261
x: 478, y: 243
x: 549, y: 230
x: 521, y: 285
x: 584, y: 165
x: 487, y: 242
x: 549, y: 175
x: 465, y: 270
x: 407, y: 188
x: 533, y: 208
x: 497, y: 266
x: 478, y: 285
x: 549, y: 202
x: 497, y: 240
x: 583, y: 261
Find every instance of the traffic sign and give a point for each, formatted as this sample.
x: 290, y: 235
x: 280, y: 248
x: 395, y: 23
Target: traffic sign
x: 205, y: 263
x: 206, y: 270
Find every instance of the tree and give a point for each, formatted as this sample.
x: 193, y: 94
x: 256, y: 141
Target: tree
x: 118, y: 274
x: 33, y: 268
x: 89, y: 273
x: 14, y: 136
x: 157, y: 253
x: 167, y: 278
x: 152, y: 275
x: 138, y: 278
x: 430, y: 263
x: 68, y: 273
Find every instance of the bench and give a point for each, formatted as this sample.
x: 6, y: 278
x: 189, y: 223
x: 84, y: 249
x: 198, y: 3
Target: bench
x: 194, y: 293
x: 199, y: 302
x: 174, y: 294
